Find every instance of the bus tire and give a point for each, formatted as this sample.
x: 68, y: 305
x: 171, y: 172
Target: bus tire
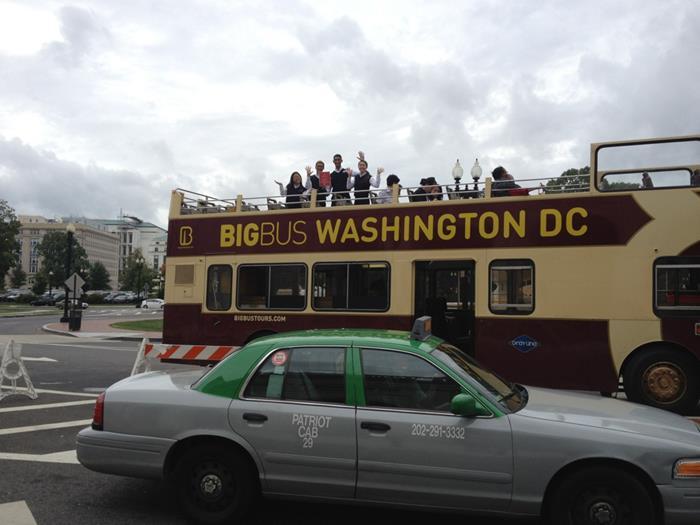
x: 663, y: 378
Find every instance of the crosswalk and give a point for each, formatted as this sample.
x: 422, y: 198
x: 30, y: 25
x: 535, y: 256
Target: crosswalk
x: 16, y: 513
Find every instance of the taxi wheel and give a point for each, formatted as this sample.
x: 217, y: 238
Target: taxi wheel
x: 601, y: 496
x: 663, y: 378
x: 215, y: 484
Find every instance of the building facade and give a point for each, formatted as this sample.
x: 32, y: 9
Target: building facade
x: 98, y: 243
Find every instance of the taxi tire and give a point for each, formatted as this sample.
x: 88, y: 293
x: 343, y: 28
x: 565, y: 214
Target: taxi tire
x: 234, y: 472
x: 633, y: 378
x: 576, y: 497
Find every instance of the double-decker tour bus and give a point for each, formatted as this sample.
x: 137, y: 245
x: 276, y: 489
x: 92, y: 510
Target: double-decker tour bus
x: 590, y: 286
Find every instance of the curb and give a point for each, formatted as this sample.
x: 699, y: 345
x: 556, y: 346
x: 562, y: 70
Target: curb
x: 118, y: 336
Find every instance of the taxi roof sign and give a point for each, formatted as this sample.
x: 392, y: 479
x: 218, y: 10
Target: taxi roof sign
x: 422, y: 328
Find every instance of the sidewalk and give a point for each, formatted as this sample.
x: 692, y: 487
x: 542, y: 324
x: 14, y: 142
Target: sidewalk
x: 101, y: 328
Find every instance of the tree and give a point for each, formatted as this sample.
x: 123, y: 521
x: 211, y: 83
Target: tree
x: 572, y: 180
x: 98, y: 277
x: 616, y: 186
x: 136, y: 273
x: 9, y: 245
x: 18, y: 277
x: 52, y: 249
x: 40, y: 283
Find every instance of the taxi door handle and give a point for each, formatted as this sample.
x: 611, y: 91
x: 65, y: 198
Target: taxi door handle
x: 377, y: 427
x: 256, y: 418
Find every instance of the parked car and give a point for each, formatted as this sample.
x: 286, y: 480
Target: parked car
x: 46, y: 299
x: 392, y: 418
x: 72, y: 303
x: 153, y: 303
x: 11, y: 291
x: 116, y: 298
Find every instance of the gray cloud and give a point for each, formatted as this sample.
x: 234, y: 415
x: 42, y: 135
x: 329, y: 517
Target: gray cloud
x: 139, y: 99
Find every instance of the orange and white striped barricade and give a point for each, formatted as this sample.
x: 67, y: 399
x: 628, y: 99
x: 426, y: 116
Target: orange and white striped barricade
x: 186, y: 354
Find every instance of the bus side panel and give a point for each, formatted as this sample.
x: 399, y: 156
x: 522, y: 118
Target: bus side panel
x: 682, y: 332
x: 186, y: 324
x: 555, y: 353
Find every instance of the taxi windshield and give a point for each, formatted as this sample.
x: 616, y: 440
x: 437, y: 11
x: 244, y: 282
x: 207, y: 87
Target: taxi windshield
x: 509, y: 395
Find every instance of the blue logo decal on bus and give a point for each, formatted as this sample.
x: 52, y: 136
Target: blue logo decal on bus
x: 524, y: 344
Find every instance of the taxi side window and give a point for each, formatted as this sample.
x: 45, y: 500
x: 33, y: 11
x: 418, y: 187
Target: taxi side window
x: 301, y: 374
x: 400, y: 380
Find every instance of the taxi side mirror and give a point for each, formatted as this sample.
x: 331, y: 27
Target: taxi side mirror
x: 465, y: 405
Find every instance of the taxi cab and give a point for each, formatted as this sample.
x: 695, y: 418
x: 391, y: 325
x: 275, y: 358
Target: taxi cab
x: 395, y: 418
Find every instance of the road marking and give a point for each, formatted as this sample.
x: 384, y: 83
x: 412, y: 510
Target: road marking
x: 62, y: 392
x: 48, y: 426
x: 47, y: 405
x: 16, y: 513
x: 67, y: 457
x: 39, y: 359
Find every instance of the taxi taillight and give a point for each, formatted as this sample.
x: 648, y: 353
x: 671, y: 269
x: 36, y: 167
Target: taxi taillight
x: 99, y: 412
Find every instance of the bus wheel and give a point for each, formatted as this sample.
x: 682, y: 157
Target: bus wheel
x: 663, y: 378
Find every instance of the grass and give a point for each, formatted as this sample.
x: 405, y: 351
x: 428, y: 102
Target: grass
x: 149, y: 325
x: 11, y: 309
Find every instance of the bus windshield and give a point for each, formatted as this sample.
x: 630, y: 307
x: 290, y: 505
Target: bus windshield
x: 509, y: 395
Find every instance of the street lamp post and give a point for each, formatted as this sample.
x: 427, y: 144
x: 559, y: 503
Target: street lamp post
x: 50, y: 279
x: 70, y: 230
x: 139, y: 263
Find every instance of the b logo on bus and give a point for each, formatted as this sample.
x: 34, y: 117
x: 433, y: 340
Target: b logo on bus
x: 185, y: 236
x: 524, y: 344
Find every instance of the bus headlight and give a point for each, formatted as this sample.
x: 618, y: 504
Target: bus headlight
x: 687, y: 469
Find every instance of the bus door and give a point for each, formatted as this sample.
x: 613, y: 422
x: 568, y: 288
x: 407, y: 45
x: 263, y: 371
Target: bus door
x: 445, y: 292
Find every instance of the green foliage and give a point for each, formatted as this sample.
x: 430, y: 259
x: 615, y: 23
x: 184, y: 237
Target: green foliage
x: 40, y: 284
x: 572, y: 180
x: 18, y: 277
x: 9, y: 245
x: 53, y: 248
x: 617, y: 186
x: 98, y: 277
x: 136, y: 274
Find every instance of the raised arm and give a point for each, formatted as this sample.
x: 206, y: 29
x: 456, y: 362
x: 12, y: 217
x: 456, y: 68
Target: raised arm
x: 283, y: 190
x: 375, y: 180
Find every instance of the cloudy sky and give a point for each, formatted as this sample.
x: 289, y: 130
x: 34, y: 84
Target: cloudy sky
x: 110, y: 105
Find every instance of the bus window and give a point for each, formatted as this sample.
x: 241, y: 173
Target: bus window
x: 512, y: 286
x: 219, y: 287
x: 351, y: 286
x: 677, y: 285
x: 271, y: 286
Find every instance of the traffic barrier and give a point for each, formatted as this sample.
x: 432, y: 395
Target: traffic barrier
x: 194, y: 354
x: 12, y: 369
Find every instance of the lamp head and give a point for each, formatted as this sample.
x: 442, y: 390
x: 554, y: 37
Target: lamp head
x: 457, y: 172
x: 476, y: 171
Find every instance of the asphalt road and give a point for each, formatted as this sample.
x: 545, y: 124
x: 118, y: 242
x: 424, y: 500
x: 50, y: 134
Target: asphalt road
x: 38, y: 468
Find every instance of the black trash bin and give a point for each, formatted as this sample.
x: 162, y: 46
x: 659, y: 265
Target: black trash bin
x: 75, y: 318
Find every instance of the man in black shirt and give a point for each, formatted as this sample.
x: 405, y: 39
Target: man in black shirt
x: 340, y: 182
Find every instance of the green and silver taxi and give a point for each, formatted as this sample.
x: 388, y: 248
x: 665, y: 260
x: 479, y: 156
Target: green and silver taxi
x: 394, y: 418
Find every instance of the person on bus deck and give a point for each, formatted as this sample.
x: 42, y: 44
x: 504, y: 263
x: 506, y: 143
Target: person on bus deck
x: 647, y: 183
x: 423, y: 193
x: 384, y: 196
x: 340, y: 182
x: 293, y: 191
x: 502, y: 182
x: 695, y: 178
x: 313, y: 182
x: 435, y: 192
x: 363, y: 180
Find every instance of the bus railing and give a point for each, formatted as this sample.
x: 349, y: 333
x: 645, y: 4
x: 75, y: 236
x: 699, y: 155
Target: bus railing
x: 199, y: 203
